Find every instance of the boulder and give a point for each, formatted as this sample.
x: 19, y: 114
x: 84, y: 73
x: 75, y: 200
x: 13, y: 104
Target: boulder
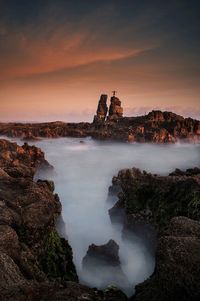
x: 103, y: 263
x: 177, y: 271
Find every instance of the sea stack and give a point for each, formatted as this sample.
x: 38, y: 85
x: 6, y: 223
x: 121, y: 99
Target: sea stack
x: 102, y: 109
x: 115, y: 110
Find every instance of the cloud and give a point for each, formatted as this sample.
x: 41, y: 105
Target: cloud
x: 51, y: 42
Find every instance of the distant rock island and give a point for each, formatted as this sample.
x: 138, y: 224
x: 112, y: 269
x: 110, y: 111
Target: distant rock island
x: 156, y: 126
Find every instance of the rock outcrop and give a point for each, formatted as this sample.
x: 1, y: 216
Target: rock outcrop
x: 156, y: 199
x: 115, y: 109
x: 156, y: 126
x: 167, y: 207
x: 35, y: 262
x: 177, y: 271
x: 103, y: 263
x: 102, y: 110
x: 107, y: 254
x: 30, y: 247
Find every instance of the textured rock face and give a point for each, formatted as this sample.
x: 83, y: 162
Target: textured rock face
x: 103, y: 262
x: 166, y: 203
x: 156, y: 127
x: 115, y: 109
x: 156, y: 199
x: 35, y: 263
x: 21, y: 161
x: 30, y: 248
x: 102, y: 109
x: 106, y: 254
x: 177, y: 272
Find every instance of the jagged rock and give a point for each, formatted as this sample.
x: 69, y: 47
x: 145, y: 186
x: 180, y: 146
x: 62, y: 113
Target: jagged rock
x: 114, y: 190
x: 156, y: 127
x: 152, y: 201
x: 29, y: 244
x: 177, y: 272
x: 107, y: 254
x: 21, y: 161
x: 102, y: 109
x: 115, y: 109
x: 35, y: 263
x: 156, y: 199
x: 103, y: 262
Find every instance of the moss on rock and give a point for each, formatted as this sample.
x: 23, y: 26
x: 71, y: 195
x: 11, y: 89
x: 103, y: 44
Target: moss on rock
x: 56, y: 261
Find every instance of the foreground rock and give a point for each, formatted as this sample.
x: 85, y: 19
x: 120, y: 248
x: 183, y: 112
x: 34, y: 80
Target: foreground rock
x: 103, y: 263
x: 156, y: 199
x: 35, y: 263
x: 169, y: 205
x: 156, y: 126
x: 177, y: 272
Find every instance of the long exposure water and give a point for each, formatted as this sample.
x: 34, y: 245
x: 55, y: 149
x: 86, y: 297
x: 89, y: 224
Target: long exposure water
x: 83, y: 173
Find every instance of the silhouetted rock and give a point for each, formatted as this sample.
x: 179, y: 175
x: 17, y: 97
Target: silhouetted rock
x: 35, y: 262
x: 177, y: 271
x: 163, y: 205
x: 115, y: 109
x: 156, y: 126
x: 103, y: 263
x: 102, y: 109
x: 30, y: 247
x: 106, y: 254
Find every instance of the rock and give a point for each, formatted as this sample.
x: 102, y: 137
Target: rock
x: 177, y: 272
x: 159, y: 208
x: 35, y: 262
x: 21, y: 161
x: 30, y: 248
x: 156, y: 199
x: 107, y: 254
x: 114, y: 190
x: 102, y: 109
x: 156, y: 127
x: 115, y: 109
x: 103, y: 263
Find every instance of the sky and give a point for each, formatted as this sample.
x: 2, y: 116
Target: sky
x: 57, y: 57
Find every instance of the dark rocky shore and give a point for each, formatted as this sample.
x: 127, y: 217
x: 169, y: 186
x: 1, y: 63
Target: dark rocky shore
x: 156, y: 126
x: 164, y: 211
x: 167, y: 207
x: 35, y: 263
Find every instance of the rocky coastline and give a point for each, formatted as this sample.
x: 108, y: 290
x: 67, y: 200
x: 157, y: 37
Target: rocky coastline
x: 35, y: 262
x: 109, y: 124
x: 164, y: 212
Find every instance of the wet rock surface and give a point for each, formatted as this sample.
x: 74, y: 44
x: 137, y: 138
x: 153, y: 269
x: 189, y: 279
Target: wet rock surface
x: 106, y: 254
x: 177, y: 271
x: 167, y: 207
x: 35, y: 262
x: 104, y: 260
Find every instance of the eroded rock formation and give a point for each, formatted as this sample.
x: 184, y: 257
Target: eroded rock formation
x: 115, y: 109
x: 156, y: 126
x: 177, y: 271
x: 103, y: 263
x: 102, y: 109
x: 170, y: 205
x: 35, y: 263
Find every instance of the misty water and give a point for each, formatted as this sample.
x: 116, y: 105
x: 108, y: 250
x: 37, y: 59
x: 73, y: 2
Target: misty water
x: 83, y: 173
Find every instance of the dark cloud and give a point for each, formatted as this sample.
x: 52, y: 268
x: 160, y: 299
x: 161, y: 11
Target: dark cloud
x: 143, y: 47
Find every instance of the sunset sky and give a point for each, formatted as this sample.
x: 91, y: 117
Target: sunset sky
x: 57, y: 57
